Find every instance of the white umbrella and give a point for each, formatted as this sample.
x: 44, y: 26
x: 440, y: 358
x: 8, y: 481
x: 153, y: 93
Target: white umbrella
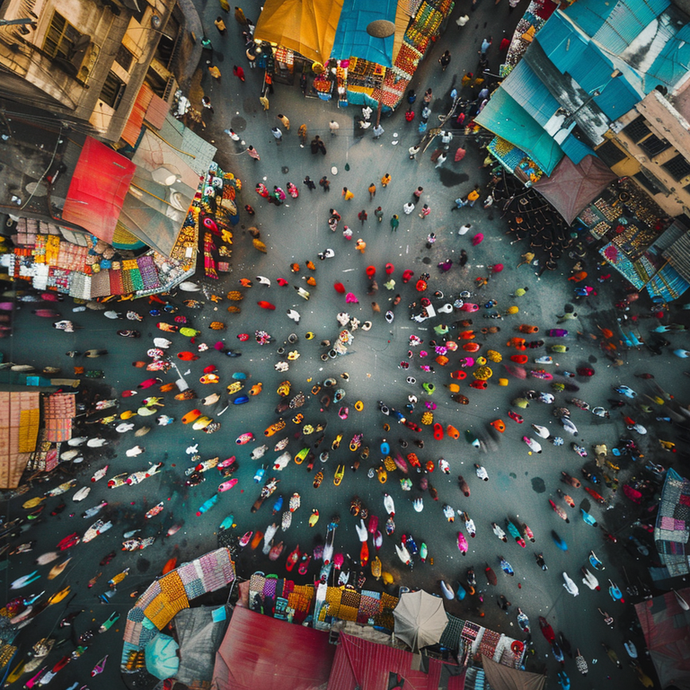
x: 420, y: 619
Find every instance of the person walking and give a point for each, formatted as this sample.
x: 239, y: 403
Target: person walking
x: 462, y: 20
x: 206, y: 102
x: 214, y: 72
x: 486, y: 44
x: 440, y: 160
x: 463, y: 230
x: 302, y: 134
x: 325, y: 183
x: 372, y: 191
x: 428, y: 95
x: 239, y: 16
x: 417, y: 194
x: 334, y: 127
x: 385, y: 180
x: 444, y: 60
x: 315, y: 144
x: 363, y: 216
x: 277, y: 134
x: 395, y: 222
x: 263, y: 99
x: 377, y: 131
x: 379, y: 214
x: 527, y: 258
x: 310, y: 183
x: 220, y: 25
x: 360, y: 245
x: 238, y: 72
x: 430, y: 240
x: 463, y: 258
x: 232, y: 134
x: 253, y: 153
x: 408, y: 208
x: 285, y: 121
x: 424, y: 212
x: 347, y: 194
x: 413, y: 151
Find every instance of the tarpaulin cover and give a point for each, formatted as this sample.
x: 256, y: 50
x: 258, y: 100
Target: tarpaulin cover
x: 666, y: 628
x: 161, y: 656
x: 98, y: 188
x: 199, y: 636
x: 136, y: 117
x: 352, y: 39
x: 359, y: 663
x: 19, y: 420
x: 505, y: 678
x: 572, y: 187
x: 305, y: 26
x: 262, y: 653
x: 420, y: 619
x: 506, y: 118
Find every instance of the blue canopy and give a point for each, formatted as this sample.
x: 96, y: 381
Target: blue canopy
x: 161, y: 657
x: 352, y: 39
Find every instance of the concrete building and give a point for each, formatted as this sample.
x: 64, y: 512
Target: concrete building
x: 651, y: 144
x: 85, y: 61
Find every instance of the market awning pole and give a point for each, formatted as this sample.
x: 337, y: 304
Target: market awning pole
x: 378, y: 113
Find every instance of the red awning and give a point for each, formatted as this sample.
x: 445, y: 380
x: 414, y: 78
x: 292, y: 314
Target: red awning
x: 262, y: 653
x: 364, y: 664
x: 136, y: 117
x: 98, y: 188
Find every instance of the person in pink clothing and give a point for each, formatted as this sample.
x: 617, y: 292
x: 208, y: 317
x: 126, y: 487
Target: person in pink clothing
x: 477, y: 239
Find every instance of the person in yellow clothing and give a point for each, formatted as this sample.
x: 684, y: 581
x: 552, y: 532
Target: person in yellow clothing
x: 347, y: 194
x: 472, y: 197
x: 285, y: 121
x: 302, y: 134
x: 214, y: 72
x: 360, y: 245
x: 385, y: 180
x: 372, y: 191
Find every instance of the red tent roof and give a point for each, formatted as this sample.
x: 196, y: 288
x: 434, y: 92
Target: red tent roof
x: 571, y: 187
x: 363, y: 664
x: 667, y: 633
x: 98, y: 188
x: 261, y: 653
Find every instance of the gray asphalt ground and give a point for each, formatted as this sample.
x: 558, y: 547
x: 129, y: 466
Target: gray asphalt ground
x: 520, y: 484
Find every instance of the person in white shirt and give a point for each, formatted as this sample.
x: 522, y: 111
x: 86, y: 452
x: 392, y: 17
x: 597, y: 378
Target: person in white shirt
x: 408, y: 208
x: 463, y: 230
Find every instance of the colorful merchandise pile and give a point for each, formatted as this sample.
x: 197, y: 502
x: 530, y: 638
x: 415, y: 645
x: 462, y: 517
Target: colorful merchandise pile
x: 167, y: 595
x: 528, y: 27
x: 216, y: 208
x: 285, y: 600
x: 672, y: 529
x: 515, y: 160
x: 425, y: 26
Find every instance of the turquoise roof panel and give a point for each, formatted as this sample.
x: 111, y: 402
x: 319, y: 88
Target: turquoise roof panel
x: 617, y: 98
x: 505, y: 118
x: 575, y: 149
x: 627, y: 21
x: 351, y: 37
x: 525, y: 87
x: 600, y: 15
x: 672, y: 63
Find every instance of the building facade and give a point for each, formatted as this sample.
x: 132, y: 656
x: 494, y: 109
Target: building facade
x: 651, y: 144
x: 84, y: 61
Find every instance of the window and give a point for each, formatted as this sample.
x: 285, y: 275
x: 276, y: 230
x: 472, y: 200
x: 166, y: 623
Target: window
x: 646, y: 183
x: 677, y: 167
x: 610, y: 154
x: 637, y: 129
x: 124, y: 58
x: 654, y: 146
x: 61, y: 38
x: 112, y: 90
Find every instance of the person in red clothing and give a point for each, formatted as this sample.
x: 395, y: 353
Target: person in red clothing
x: 238, y: 72
x: 578, y: 277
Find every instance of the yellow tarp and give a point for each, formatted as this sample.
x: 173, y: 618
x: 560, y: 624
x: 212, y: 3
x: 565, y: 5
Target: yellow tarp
x: 306, y: 26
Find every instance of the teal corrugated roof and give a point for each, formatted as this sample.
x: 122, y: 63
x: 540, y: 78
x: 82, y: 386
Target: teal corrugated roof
x: 575, y: 149
x: 505, y: 118
x: 626, y: 17
x: 673, y: 62
x: 525, y: 87
x: 626, y: 22
x: 352, y: 39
